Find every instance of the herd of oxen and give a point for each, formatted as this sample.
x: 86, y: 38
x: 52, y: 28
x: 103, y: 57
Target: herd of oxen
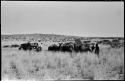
x: 76, y: 46
x: 63, y: 47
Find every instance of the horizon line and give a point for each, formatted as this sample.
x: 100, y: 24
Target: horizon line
x: 60, y: 34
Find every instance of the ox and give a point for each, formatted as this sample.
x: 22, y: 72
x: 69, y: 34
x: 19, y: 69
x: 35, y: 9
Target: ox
x: 55, y: 47
x: 67, y: 47
x: 85, y: 48
x: 30, y: 46
x: 25, y: 46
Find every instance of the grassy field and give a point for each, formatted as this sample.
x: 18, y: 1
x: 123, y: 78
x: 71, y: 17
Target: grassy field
x: 46, y: 65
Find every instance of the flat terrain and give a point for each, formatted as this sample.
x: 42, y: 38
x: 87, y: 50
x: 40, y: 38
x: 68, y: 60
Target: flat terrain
x: 47, y: 65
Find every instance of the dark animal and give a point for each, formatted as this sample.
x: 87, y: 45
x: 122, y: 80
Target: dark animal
x: 85, y: 48
x: 97, y: 49
x: 86, y: 42
x: 38, y: 49
x: 25, y: 46
x: 30, y: 46
x: 6, y: 46
x: 77, y: 48
x: 55, y: 47
x: 108, y: 42
x: 14, y: 45
x: 36, y: 46
x: 67, y: 47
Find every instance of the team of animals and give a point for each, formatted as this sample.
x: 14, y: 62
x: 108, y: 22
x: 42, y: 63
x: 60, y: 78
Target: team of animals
x: 73, y: 47
x: 63, y: 47
x: 77, y: 46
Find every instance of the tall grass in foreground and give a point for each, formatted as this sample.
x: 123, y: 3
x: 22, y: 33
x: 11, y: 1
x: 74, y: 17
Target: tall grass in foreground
x: 61, y: 66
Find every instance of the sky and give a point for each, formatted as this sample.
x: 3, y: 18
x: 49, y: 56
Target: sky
x: 100, y: 19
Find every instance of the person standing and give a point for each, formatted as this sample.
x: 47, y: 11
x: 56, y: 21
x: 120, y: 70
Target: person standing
x: 97, y: 50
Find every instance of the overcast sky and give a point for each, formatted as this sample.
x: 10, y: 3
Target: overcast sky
x: 67, y: 18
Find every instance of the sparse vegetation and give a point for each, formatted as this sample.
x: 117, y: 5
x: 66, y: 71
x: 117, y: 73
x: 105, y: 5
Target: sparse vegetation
x: 59, y: 65
x: 46, y: 65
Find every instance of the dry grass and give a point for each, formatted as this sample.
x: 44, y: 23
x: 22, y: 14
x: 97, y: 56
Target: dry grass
x: 46, y: 65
